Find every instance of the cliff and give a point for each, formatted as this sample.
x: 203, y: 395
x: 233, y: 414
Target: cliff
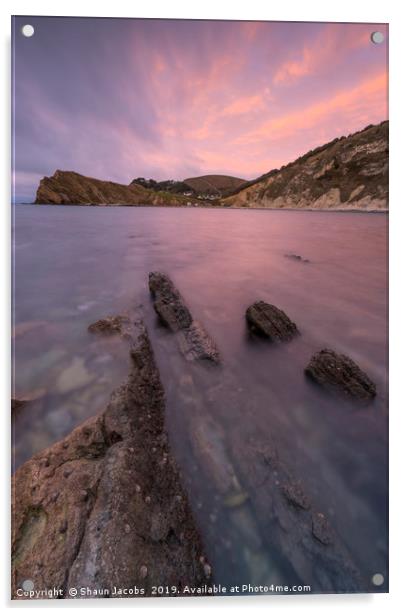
x: 347, y: 173
x: 70, y: 188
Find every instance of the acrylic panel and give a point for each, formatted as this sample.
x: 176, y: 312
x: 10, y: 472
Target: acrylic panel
x: 200, y: 304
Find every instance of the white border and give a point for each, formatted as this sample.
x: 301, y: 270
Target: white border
x: 294, y: 10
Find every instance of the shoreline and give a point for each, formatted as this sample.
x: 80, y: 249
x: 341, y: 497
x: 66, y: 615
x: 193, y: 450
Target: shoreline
x: 211, y: 207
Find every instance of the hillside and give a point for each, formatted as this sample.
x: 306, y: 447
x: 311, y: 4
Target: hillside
x: 70, y: 188
x: 347, y: 173
x: 214, y: 184
x: 204, y: 185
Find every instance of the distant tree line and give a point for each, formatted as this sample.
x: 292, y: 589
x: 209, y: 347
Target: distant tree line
x: 172, y: 186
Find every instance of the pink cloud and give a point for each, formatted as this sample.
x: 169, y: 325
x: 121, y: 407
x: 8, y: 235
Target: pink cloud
x: 365, y: 99
x: 175, y: 99
x: 332, y: 45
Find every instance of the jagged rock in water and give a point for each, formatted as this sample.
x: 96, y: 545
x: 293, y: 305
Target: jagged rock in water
x: 194, y: 341
x: 109, y: 325
x: 270, y: 321
x: 78, y: 519
x: 340, y: 374
x: 168, y: 302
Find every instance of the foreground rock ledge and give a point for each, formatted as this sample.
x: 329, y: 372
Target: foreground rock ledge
x: 194, y: 341
x: 340, y: 374
x: 105, y: 507
x: 268, y: 320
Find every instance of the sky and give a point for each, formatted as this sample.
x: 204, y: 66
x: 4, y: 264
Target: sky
x: 118, y: 99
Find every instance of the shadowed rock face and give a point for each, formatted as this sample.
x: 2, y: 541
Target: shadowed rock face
x: 347, y: 173
x: 268, y: 320
x: 104, y: 507
x: 338, y: 373
x: 194, y: 341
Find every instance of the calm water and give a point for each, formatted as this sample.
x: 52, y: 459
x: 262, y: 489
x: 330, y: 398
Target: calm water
x: 74, y: 265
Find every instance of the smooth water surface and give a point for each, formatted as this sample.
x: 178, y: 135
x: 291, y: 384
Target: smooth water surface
x: 74, y: 265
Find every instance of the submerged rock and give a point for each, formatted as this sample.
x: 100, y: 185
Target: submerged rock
x: 297, y: 258
x: 76, y: 375
x: 321, y: 529
x: 340, y: 374
x: 21, y: 401
x: 78, y: 518
x: 295, y: 495
x: 268, y: 320
x: 17, y: 404
x: 293, y: 528
x: 194, y: 341
x: 110, y: 325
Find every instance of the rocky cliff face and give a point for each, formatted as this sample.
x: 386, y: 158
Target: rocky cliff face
x: 70, y: 188
x: 347, y: 173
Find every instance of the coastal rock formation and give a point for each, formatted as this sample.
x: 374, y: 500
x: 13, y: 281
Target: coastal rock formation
x: 347, y: 173
x: 105, y: 507
x: 70, y: 188
x: 340, y: 374
x: 194, y: 341
x: 268, y: 320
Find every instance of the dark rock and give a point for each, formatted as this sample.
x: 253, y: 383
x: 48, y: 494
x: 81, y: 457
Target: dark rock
x: 270, y: 321
x: 90, y: 528
x: 297, y: 258
x: 194, y: 341
x: 340, y: 374
x: 110, y: 325
x: 23, y: 400
x: 168, y: 302
x: 17, y: 405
